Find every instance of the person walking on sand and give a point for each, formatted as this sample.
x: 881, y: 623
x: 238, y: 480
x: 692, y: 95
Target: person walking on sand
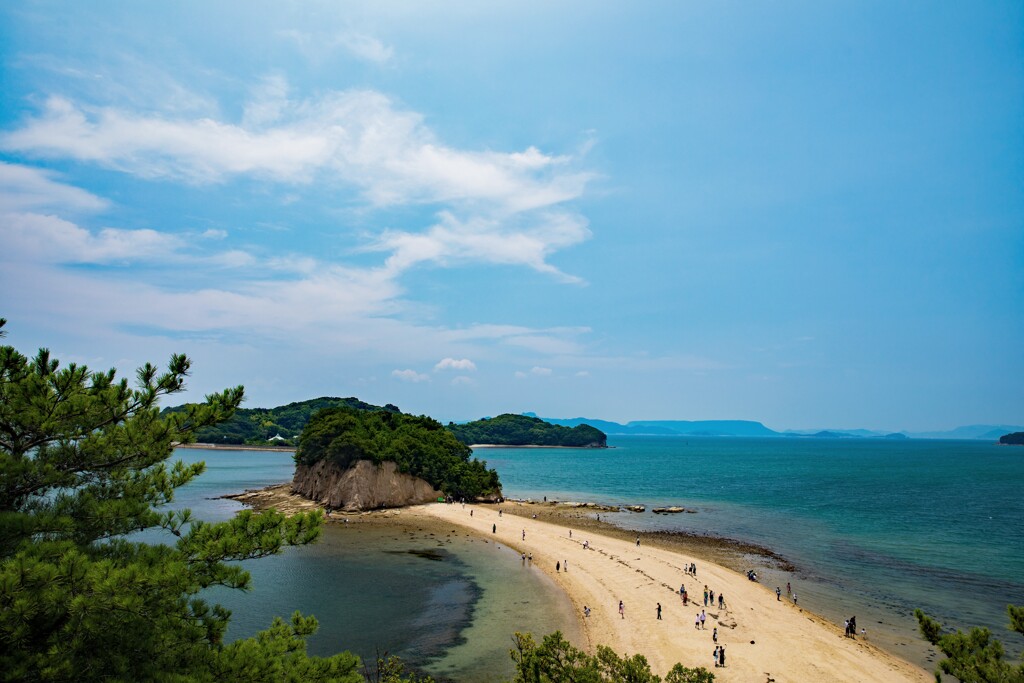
x: 696, y: 621
x: 778, y: 593
x: 705, y: 595
x: 794, y: 598
x: 558, y: 567
x: 702, y: 619
x: 637, y: 541
x: 622, y: 610
x: 494, y: 528
x: 714, y: 634
x: 715, y: 655
x: 566, y: 565
x: 721, y: 601
x: 524, y: 534
x: 659, y: 611
x: 721, y: 656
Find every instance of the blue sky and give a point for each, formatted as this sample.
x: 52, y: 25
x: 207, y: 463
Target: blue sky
x: 809, y: 214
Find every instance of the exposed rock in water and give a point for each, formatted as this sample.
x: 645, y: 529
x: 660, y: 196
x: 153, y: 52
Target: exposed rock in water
x: 635, y: 508
x: 668, y: 511
x: 363, y: 486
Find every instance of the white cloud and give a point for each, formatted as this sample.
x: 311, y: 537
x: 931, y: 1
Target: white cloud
x: 499, y: 208
x: 23, y: 188
x: 535, y: 371
x: 318, y: 47
x: 51, y: 239
x: 453, y: 364
x: 357, y: 136
x: 410, y: 376
x: 525, y: 243
x: 463, y: 381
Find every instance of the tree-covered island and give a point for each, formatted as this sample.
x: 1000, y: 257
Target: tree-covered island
x: 1015, y: 439
x: 523, y: 430
x: 418, y: 445
x: 276, y: 426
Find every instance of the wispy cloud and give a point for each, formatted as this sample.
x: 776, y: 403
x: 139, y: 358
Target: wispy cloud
x: 318, y: 47
x: 49, y: 238
x: 358, y: 137
x: 493, y: 207
x: 410, y: 376
x: 23, y: 188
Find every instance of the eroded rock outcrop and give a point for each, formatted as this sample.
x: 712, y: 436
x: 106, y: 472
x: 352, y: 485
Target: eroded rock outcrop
x: 363, y: 486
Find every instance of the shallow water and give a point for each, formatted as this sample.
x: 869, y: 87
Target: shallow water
x: 445, y: 603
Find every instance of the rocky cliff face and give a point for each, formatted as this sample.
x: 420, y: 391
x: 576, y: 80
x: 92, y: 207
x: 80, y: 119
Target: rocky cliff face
x: 364, y: 486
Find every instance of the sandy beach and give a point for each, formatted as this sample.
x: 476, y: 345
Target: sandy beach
x: 766, y: 639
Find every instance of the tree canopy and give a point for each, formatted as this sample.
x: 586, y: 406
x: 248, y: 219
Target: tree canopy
x: 419, y: 445
x: 974, y: 657
x: 555, y: 660
x: 82, y: 466
x: 257, y: 426
x: 522, y: 430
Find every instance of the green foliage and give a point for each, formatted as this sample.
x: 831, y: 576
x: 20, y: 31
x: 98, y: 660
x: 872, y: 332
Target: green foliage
x: 555, y: 660
x: 82, y: 465
x: 257, y: 426
x: 523, y: 430
x: 973, y: 657
x: 420, y: 446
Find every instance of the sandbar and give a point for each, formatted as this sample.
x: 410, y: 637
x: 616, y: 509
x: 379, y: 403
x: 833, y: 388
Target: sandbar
x: 766, y: 639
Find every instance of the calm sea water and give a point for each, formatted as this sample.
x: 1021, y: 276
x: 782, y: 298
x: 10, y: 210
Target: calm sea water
x: 875, y: 527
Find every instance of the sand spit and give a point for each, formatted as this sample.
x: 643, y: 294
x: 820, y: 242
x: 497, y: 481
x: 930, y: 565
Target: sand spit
x: 598, y: 565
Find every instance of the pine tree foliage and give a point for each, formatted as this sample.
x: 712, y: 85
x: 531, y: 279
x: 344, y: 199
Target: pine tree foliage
x: 975, y: 656
x: 82, y: 466
x: 556, y: 660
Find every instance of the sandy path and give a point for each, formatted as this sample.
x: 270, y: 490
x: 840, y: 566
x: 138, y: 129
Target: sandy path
x: 765, y: 638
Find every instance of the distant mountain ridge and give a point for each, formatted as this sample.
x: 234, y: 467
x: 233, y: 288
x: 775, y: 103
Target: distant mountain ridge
x: 751, y: 428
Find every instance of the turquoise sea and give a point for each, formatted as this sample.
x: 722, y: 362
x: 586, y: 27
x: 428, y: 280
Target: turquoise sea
x: 874, y: 527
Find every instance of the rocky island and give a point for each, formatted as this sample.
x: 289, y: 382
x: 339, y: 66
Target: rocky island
x: 351, y: 460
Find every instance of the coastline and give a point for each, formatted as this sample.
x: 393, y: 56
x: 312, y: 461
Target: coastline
x: 763, y: 636
x: 235, y: 447
x: 475, y: 446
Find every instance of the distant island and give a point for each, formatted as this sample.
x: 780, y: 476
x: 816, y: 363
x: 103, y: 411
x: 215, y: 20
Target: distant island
x: 284, y: 425
x: 524, y: 430
x: 1015, y: 439
x: 280, y: 426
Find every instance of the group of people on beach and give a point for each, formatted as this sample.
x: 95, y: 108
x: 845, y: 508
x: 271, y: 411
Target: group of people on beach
x: 850, y: 625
